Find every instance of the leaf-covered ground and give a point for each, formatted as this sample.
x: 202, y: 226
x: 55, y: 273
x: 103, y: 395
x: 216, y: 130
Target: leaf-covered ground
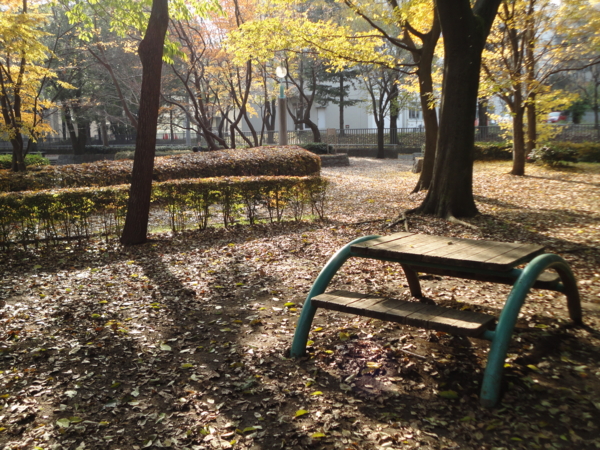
x: 181, y: 342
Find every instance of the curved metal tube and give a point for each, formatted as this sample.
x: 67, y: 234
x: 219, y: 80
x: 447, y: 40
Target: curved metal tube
x: 318, y: 287
x: 490, y: 390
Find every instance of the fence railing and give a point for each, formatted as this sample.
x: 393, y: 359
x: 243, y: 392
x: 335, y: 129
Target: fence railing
x: 401, y: 137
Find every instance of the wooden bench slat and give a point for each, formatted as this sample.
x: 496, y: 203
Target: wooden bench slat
x: 417, y: 314
x: 467, y: 253
x: 546, y: 280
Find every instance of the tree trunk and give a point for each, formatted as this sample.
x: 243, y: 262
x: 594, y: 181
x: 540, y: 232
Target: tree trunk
x: 104, y: 134
x: 18, y: 160
x: 518, y: 140
x: 314, y: 128
x: 82, y: 132
x: 150, y: 51
x: 341, y: 104
x: 482, y: 113
x: 269, y: 120
x: 465, y: 32
x: 430, y: 120
x: 431, y: 135
x: 394, y: 111
x: 70, y: 127
x: 380, y: 144
x: 531, y: 125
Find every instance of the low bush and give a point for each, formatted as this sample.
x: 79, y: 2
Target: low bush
x: 319, y: 148
x: 30, y: 161
x: 553, y: 156
x: 260, y: 161
x: 585, y: 151
x: 492, y: 151
x: 54, y: 215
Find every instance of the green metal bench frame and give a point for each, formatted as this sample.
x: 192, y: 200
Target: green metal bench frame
x: 524, y: 280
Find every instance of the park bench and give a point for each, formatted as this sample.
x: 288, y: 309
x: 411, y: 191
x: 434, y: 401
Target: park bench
x: 489, y: 261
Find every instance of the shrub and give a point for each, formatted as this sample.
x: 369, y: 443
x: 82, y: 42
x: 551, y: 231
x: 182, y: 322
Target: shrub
x: 273, y: 161
x: 30, y: 161
x: 492, y: 151
x: 585, y: 151
x: 159, y: 152
x: 52, y: 215
x: 553, y: 156
x: 319, y: 148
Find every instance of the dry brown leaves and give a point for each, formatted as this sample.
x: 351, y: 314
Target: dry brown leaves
x: 181, y: 342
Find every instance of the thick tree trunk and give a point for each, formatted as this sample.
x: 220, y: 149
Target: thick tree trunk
x: 518, y: 167
x: 150, y: 51
x: 465, y: 32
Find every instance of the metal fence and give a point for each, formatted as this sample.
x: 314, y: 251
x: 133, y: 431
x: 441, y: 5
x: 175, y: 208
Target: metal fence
x: 349, y: 137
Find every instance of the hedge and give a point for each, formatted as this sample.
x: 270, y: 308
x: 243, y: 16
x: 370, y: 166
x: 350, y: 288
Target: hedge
x: 267, y: 161
x: 319, y: 148
x: 31, y: 160
x: 159, y: 152
x: 78, y: 213
x: 492, y: 151
x: 584, y: 152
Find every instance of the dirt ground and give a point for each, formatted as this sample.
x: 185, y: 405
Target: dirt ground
x: 182, y: 342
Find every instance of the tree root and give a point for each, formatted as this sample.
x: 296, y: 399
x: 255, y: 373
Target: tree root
x: 401, y: 218
x: 452, y: 219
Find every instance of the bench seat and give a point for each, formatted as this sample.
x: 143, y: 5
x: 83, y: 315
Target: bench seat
x: 417, y: 314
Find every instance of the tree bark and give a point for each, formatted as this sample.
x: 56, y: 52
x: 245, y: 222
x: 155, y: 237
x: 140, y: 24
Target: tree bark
x: 341, y: 103
x: 518, y: 167
x: 425, y: 61
x: 465, y: 31
x: 380, y: 143
x: 482, y: 113
x: 150, y: 51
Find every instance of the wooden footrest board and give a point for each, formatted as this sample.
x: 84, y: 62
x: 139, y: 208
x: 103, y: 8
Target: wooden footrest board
x: 417, y: 314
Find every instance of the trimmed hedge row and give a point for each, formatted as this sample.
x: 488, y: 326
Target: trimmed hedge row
x: 78, y: 213
x: 267, y: 161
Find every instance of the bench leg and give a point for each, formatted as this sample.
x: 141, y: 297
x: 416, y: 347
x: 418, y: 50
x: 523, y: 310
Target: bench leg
x: 413, y: 281
x: 318, y: 287
x: 490, y: 389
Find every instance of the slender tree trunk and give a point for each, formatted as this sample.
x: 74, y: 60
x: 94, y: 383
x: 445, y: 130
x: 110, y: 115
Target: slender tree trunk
x: 394, y: 110
x: 531, y: 125
x: 341, y: 104
x: 530, y: 67
x: 70, y: 126
x: 518, y: 141
x: 465, y: 31
x: 150, y: 50
x: 380, y: 140
x: 82, y: 134
x: 430, y: 120
x: 104, y: 134
x: 314, y: 128
x: 270, y: 116
x: 482, y: 114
